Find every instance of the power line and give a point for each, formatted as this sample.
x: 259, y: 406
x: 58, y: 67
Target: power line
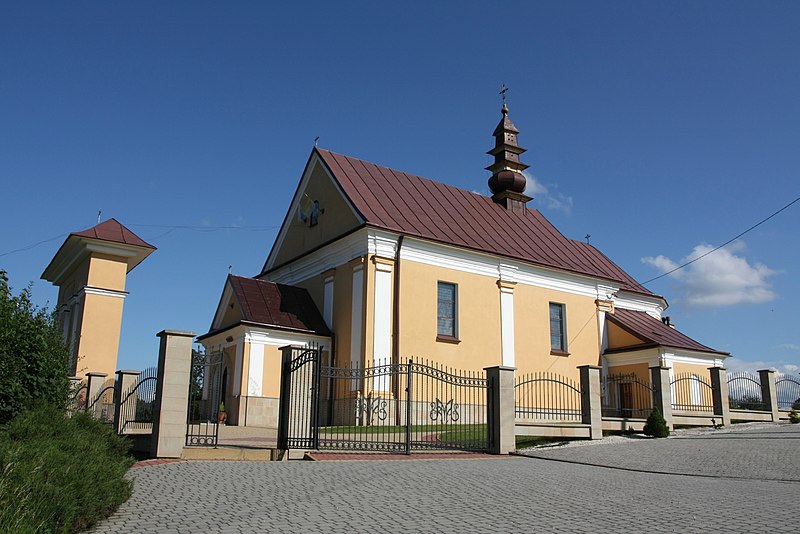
x: 28, y: 247
x: 728, y: 242
x: 201, y: 227
x: 170, y: 228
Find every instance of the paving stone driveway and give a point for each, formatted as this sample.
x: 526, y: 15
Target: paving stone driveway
x: 759, y: 451
x: 482, y: 495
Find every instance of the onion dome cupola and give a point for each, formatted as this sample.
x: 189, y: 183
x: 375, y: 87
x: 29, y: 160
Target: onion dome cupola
x: 507, y: 182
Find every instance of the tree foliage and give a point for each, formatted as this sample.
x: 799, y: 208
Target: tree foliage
x: 33, y: 354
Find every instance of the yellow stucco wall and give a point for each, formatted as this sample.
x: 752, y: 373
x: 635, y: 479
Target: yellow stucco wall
x: 688, y: 392
x: 99, y: 320
x: 532, y: 331
x: 100, y: 332
x: 73, y: 282
x: 478, y: 304
x: 618, y: 338
x: 700, y: 370
x: 641, y: 370
x: 107, y: 272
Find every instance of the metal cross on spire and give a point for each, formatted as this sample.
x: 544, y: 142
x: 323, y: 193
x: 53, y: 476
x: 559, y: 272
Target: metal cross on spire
x: 503, y: 92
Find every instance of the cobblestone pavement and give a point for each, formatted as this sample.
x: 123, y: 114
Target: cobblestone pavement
x: 756, y: 451
x: 471, y: 495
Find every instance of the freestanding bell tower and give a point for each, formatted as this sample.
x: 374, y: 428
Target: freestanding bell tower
x: 90, y: 270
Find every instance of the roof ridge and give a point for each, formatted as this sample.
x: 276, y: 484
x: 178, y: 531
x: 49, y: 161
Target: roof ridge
x: 460, y: 217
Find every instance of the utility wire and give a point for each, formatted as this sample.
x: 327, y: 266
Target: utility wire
x: 728, y: 242
x: 170, y: 228
x: 28, y: 247
x: 204, y: 227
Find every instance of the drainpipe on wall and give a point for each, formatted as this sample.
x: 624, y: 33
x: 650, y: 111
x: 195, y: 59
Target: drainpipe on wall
x: 396, y: 325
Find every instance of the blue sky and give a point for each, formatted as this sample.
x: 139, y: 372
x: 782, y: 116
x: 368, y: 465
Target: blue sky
x: 661, y: 129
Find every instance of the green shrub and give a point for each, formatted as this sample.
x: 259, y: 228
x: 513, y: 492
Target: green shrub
x: 794, y: 417
x: 59, y: 474
x: 33, y: 355
x: 656, y: 426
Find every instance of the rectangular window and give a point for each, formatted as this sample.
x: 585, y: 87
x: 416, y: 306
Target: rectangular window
x: 446, y: 318
x: 558, y: 328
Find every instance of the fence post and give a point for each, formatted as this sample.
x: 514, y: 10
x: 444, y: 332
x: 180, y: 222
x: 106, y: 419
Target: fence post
x: 125, y: 381
x: 284, y: 400
x: 501, y: 431
x: 662, y: 394
x: 769, y: 393
x: 591, y: 399
x: 74, y: 395
x: 94, y: 384
x: 719, y: 392
x: 172, y: 393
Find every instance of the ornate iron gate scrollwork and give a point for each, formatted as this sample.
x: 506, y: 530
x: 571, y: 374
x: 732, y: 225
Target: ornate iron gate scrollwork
x: 389, y: 407
x: 206, y: 395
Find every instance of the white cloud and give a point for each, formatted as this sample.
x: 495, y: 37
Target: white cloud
x: 549, y: 198
x: 720, y: 279
x: 789, y: 346
x: 734, y: 365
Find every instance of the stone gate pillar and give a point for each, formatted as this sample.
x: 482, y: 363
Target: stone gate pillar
x: 769, y: 392
x: 591, y: 399
x: 500, y: 419
x: 719, y: 393
x: 94, y: 384
x: 662, y: 393
x: 172, y: 394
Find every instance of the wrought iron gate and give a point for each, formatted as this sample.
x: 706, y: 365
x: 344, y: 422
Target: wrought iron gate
x: 206, y: 397
x: 400, y: 407
x: 136, y: 404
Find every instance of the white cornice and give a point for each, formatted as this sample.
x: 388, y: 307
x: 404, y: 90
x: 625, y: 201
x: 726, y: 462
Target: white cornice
x: 262, y: 336
x: 504, y: 269
x: 328, y: 257
x: 654, y: 306
x: 383, y: 243
x: 280, y: 338
x: 89, y: 290
x: 695, y: 358
x: 653, y: 356
x: 650, y: 356
x: 77, y: 248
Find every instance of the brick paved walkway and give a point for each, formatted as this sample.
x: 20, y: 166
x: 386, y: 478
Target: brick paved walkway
x: 478, y: 495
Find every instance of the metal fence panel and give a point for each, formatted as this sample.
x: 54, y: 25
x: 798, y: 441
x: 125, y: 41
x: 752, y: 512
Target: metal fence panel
x: 787, y: 389
x: 691, y: 393
x: 744, y: 392
x: 548, y: 397
x: 626, y: 396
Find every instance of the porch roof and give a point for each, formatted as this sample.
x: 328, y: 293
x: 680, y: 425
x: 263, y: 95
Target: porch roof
x: 274, y: 305
x: 654, y: 333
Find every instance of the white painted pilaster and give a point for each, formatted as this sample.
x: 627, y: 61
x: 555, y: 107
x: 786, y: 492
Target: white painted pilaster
x: 356, y: 319
x: 327, y: 298
x: 382, y: 333
x: 507, y: 321
x: 255, y: 375
x: 237, y: 369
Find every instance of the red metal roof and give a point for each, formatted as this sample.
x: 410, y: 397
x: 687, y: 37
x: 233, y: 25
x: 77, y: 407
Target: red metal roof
x: 655, y: 332
x: 416, y: 206
x: 113, y: 230
x: 277, y: 305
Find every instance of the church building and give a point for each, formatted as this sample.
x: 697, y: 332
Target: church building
x: 377, y: 265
